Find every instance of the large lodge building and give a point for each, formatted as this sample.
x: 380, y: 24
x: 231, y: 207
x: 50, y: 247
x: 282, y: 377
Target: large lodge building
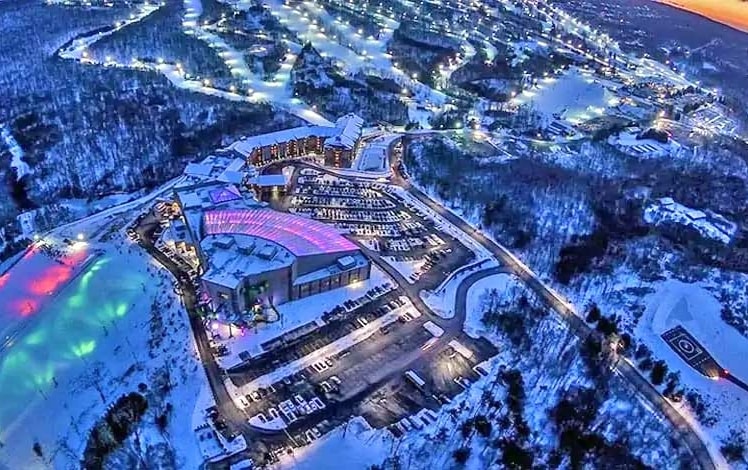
x: 247, y: 254
x: 337, y: 143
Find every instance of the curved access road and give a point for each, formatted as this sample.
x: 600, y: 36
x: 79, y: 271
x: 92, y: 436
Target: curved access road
x: 623, y: 368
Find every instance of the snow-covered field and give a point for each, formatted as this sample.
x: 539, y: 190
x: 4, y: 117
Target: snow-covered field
x: 92, y: 341
x: 87, y: 322
x: 575, y: 96
x: 690, y: 305
x: 663, y: 305
x: 510, y: 287
x: 406, y: 268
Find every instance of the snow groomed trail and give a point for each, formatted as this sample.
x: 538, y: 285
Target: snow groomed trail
x: 274, y: 93
x: 55, y: 314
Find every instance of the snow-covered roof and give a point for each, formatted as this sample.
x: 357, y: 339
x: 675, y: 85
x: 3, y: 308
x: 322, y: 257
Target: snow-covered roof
x: 231, y: 258
x: 269, y: 180
x: 299, y: 235
x: 207, y: 195
x: 353, y: 261
x: 198, y: 169
x: 708, y: 223
x: 350, y: 127
x: 233, y: 177
x: 246, y: 146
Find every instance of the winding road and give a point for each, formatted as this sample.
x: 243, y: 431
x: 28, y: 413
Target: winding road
x: 452, y: 327
x: 623, y: 368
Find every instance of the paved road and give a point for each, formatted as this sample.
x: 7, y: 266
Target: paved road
x: 452, y: 328
x: 234, y: 416
x: 576, y: 324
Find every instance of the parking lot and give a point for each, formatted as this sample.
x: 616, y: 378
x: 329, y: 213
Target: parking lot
x: 367, y: 379
x: 338, y: 324
x: 391, y: 226
x: 361, y: 357
x: 445, y: 373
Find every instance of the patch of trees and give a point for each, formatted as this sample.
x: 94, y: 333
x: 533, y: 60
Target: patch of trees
x: 577, y: 257
x: 515, y: 456
x: 618, y: 218
x: 160, y: 35
x: 418, y: 51
x: 700, y: 409
x: 605, y: 325
x: 513, y: 321
x: 110, y: 432
x: 736, y: 320
x: 658, y: 373
x: 734, y: 447
x: 316, y: 80
x: 602, y: 134
x: 574, y: 417
x: 516, y: 452
x: 13, y: 247
x: 502, y: 212
x: 654, y: 134
x: 479, y: 68
x: 461, y: 455
x: 451, y: 119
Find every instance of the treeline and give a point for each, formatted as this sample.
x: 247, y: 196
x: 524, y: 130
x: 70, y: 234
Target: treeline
x: 316, y: 81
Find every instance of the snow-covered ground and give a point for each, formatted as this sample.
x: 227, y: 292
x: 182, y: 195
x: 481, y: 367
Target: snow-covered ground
x: 77, y: 50
x: 373, y: 154
x: 574, y: 96
x: 92, y: 341
x: 360, y: 446
x: 90, y: 335
x: 16, y: 162
x: 708, y: 225
x: 661, y: 306
x: 698, y: 311
x: 312, y: 23
x: 629, y: 143
x: 292, y: 315
x: 276, y: 92
x: 442, y: 299
x: 507, y: 284
x: 406, y: 268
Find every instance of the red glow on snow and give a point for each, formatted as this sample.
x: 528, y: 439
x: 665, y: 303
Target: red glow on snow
x: 30, y: 252
x: 27, y: 307
x: 54, y: 277
x: 37, y: 276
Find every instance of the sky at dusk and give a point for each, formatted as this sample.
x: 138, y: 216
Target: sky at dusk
x: 730, y: 12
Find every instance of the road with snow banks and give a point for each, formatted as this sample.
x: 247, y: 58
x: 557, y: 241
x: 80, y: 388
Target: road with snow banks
x: 566, y: 311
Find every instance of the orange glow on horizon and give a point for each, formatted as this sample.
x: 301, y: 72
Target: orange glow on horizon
x: 730, y: 12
